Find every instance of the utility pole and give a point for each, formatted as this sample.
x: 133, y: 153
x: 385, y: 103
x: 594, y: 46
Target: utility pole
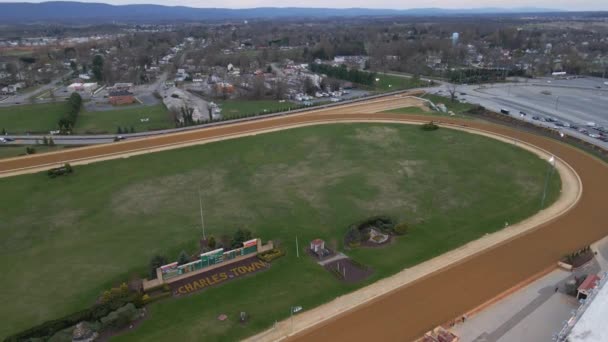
x: 200, y: 203
x: 297, y: 248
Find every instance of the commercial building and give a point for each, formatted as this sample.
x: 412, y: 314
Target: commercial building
x: 82, y: 87
x: 121, y: 97
x: 588, y: 323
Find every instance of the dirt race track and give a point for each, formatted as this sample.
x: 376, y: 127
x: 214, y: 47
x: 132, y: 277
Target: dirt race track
x: 406, y: 313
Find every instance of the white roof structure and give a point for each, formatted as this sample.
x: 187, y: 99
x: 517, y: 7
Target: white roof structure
x: 591, y: 326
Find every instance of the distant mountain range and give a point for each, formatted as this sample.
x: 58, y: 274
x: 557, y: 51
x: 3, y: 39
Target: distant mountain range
x: 67, y: 11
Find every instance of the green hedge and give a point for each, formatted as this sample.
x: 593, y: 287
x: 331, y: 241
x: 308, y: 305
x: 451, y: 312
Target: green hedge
x: 94, y: 313
x: 401, y: 228
x: 429, y: 126
x: 271, y: 255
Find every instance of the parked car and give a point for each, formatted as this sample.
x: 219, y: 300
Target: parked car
x: 504, y: 111
x: 522, y: 113
x: 535, y: 118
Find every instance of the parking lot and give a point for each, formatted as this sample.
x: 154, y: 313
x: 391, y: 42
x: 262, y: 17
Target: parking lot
x: 577, y: 107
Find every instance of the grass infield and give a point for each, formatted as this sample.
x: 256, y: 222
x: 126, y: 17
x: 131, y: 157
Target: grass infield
x: 64, y: 240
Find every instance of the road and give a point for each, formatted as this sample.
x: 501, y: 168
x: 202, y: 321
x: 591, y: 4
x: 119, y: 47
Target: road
x: 81, y: 140
x: 408, y: 312
x: 24, y: 98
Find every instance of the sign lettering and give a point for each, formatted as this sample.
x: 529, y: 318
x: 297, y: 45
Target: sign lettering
x: 220, y: 276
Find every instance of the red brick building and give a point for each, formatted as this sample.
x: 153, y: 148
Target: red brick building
x: 121, y: 97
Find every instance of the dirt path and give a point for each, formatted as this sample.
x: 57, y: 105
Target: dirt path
x: 437, y: 290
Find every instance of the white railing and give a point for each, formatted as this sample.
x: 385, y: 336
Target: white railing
x: 578, y: 313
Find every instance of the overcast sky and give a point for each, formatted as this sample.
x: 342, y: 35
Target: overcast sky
x: 572, y: 5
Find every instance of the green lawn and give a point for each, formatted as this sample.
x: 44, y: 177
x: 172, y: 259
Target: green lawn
x: 64, y: 240
x: 107, y: 122
x: 391, y: 82
x: 238, y: 108
x: 33, y: 118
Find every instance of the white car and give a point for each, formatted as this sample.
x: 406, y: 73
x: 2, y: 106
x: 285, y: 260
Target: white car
x: 595, y: 136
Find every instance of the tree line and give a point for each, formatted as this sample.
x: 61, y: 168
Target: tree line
x: 67, y: 122
x: 343, y: 73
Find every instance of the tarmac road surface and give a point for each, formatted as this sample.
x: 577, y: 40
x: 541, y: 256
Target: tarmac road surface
x: 405, y: 314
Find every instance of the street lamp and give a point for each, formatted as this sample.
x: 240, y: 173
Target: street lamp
x: 550, y: 170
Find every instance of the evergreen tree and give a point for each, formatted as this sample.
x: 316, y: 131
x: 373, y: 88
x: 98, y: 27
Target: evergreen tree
x: 183, y: 258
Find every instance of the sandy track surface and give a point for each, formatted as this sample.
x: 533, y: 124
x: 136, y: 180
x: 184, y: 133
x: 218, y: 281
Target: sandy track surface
x: 441, y: 293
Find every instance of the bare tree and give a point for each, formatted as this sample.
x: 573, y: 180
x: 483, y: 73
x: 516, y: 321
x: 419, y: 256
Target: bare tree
x: 452, y: 88
x: 280, y: 88
x: 258, y: 88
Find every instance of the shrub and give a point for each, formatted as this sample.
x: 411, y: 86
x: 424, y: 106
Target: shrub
x: 145, y: 298
x: 157, y: 297
x: 94, y: 313
x: 401, y: 228
x: 59, y: 171
x: 120, y: 318
x: 353, y: 236
x: 30, y: 150
x: 429, y: 126
x: 353, y: 244
x: 183, y: 258
x: 271, y: 255
x: 211, y: 242
x: 156, y: 262
x: 476, y: 110
x: 240, y: 236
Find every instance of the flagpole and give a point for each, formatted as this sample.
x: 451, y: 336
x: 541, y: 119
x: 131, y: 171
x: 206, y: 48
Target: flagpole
x: 200, y: 203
